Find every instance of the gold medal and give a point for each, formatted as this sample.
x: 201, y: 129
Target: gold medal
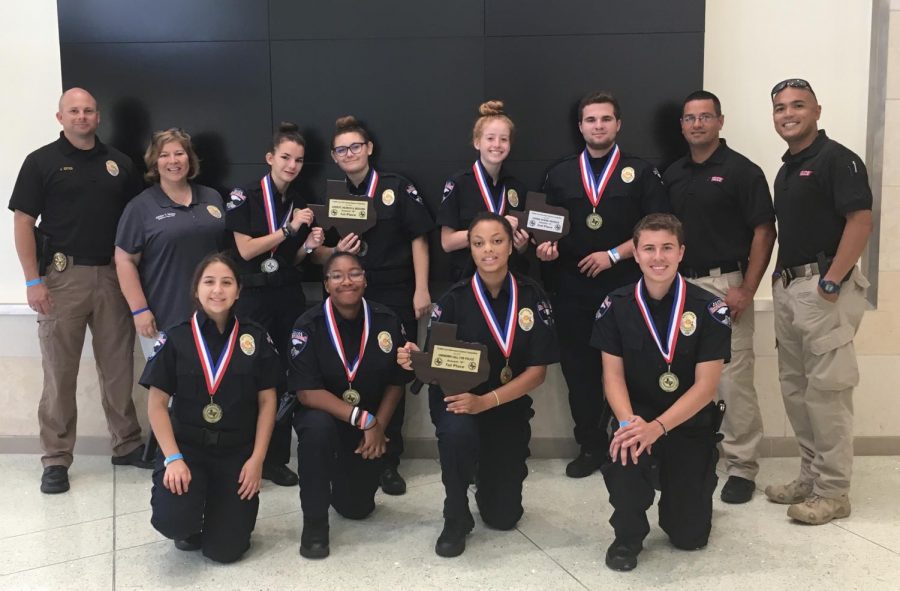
x: 668, y: 382
x: 212, y: 413
x: 248, y: 344
x: 506, y: 374
x: 513, y: 197
x: 214, y: 211
x: 351, y: 396
x: 269, y: 265
x: 60, y: 262
x: 594, y: 221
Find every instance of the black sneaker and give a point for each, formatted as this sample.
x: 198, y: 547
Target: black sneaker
x: 54, y: 480
x: 314, y: 539
x: 134, y: 458
x: 280, y: 475
x: 585, y: 464
x: 737, y: 490
x: 452, y: 541
x: 391, y: 482
x: 621, y: 556
x: 190, y: 543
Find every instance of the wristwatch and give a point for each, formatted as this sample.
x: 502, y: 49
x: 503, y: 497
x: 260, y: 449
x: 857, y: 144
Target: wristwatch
x: 829, y: 287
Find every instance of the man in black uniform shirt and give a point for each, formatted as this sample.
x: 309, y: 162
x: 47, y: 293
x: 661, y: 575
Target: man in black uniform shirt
x: 664, y: 344
x: 824, y: 208
x: 723, y: 201
x: 606, y: 193
x: 78, y: 186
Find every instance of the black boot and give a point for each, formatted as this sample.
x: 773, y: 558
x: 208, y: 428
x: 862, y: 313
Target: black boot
x: 622, y: 556
x: 314, y: 539
x: 452, y: 541
x: 585, y: 464
x: 391, y: 481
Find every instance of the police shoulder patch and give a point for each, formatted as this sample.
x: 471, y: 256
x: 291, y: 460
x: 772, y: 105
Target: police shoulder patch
x: 271, y: 342
x: 235, y: 199
x: 412, y: 192
x: 545, y: 312
x: 299, y: 339
x: 436, y: 312
x: 158, y: 345
x: 448, y: 188
x: 603, y: 309
x: 718, y: 309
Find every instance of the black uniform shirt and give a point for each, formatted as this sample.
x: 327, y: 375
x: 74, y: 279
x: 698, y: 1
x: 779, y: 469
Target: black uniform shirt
x: 634, y: 190
x: 704, y: 335
x: 78, y: 194
x: 814, y: 191
x: 315, y: 364
x: 171, y: 239
x: 535, y: 334
x: 720, y: 202
x: 401, y: 217
x: 462, y: 201
x: 175, y: 369
x: 246, y: 213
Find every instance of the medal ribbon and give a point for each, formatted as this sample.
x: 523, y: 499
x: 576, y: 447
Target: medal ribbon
x: 373, y: 184
x: 668, y: 352
x: 352, y: 367
x: 486, y: 195
x: 505, y: 337
x: 213, y: 372
x: 269, y: 204
x: 595, y: 189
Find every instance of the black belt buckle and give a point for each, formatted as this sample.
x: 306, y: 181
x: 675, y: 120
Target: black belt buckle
x: 210, y: 438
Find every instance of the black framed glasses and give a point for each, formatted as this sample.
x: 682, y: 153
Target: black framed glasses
x: 792, y: 83
x: 354, y: 148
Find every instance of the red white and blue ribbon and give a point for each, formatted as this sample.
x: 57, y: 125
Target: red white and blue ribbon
x: 667, y: 350
x: 353, y: 366
x: 213, y: 372
x: 269, y: 205
x: 505, y: 335
x: 373, y: 184
x: 486, y: 195
x: 595, y: 187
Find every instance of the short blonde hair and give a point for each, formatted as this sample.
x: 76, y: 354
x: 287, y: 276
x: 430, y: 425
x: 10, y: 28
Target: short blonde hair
x: 160, y: 139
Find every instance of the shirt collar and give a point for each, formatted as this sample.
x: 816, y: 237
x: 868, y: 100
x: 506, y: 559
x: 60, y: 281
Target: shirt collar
x: 163, y: 200
x: 364, y: 184
x: 68, y: 149
x: 208, y: 326
x: 717, y: 157
x: 807, y: 152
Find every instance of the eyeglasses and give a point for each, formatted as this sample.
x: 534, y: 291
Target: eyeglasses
x: 792, y: 83
x: 338, y: 277
x: 703, y: 118
x: 354, y: 148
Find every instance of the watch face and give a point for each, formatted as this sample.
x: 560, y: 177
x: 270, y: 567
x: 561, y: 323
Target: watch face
x: 829, y: 287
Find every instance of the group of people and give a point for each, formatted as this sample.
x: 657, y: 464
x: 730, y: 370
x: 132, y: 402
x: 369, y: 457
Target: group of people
x: 650, y: 294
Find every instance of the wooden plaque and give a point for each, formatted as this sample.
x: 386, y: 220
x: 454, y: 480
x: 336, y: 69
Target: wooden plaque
x: 345, y: 212
x: 545, y: 223
x: 455, y: 366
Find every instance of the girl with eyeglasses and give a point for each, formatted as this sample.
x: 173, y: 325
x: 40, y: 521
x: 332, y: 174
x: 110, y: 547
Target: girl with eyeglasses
x: 394, y: 253
x: 344, y: 370
x: 484, y: 433
x: 273, y: 233
x: 484, y: 186
x: 212, y: 406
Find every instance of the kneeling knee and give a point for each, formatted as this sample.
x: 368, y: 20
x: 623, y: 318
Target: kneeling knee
x: 501, y: 521
x: 225, y: 555
x: 172, y: 528
x: 355, y: 512
x: 689, y: 543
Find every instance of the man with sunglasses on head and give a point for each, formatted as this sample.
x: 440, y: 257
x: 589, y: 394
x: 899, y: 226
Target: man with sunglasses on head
x: 723, y: 201
x: 824, y: 207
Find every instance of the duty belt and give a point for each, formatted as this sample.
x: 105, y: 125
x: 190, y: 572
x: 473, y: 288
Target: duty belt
x: 692, y: 273
x: 788, y: 274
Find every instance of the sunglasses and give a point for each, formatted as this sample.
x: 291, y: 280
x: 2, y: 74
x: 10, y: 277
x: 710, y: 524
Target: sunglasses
x: 792, y: 83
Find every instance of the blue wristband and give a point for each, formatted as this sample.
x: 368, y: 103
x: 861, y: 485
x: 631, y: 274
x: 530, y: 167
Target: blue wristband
x: 140, y: 311
x: 172, y: 458
x: 614, y: 255
x: 34, y: 282
x: 624, y: 423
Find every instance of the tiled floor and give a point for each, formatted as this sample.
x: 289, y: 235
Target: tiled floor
x: 98, y: 536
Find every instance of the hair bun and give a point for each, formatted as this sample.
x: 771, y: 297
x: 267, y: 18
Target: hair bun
x: 491, y: 108
x: 287, y: 127
x: 346, y: 122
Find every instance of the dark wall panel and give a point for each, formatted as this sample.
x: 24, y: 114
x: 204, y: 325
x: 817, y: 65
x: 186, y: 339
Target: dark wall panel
x: 87, y: 21
x: 365, y: 19
x: 592, y: 17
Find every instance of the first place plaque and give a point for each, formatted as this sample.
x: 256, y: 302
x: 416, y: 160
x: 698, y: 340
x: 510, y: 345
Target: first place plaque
x: 545, y: 223
x: 454, y: 365
x: 343, y: 211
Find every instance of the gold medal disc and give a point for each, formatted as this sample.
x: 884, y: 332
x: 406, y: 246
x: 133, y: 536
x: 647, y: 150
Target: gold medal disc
x: 668, y: 382
x: 506, y: 374
x: 594, y: 221
x: 351, y: 396
x: 212, y: 413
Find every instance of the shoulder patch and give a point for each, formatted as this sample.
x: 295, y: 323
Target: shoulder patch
x: 412, y: 192
x: 603, y: 309
x: 160, y: 343
x: 271, y: 342
x: 235, y: 199
x: 436, y: 312
x: 299, y: 338
x: 545, y: 312
x: 718, y: 309
x: 448, y: 188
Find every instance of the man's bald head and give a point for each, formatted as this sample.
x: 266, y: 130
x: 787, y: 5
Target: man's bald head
x: 79, y: 117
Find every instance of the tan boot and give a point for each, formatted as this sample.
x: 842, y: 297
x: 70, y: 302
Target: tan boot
x: 788, y: 494
x: 817, y: 510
